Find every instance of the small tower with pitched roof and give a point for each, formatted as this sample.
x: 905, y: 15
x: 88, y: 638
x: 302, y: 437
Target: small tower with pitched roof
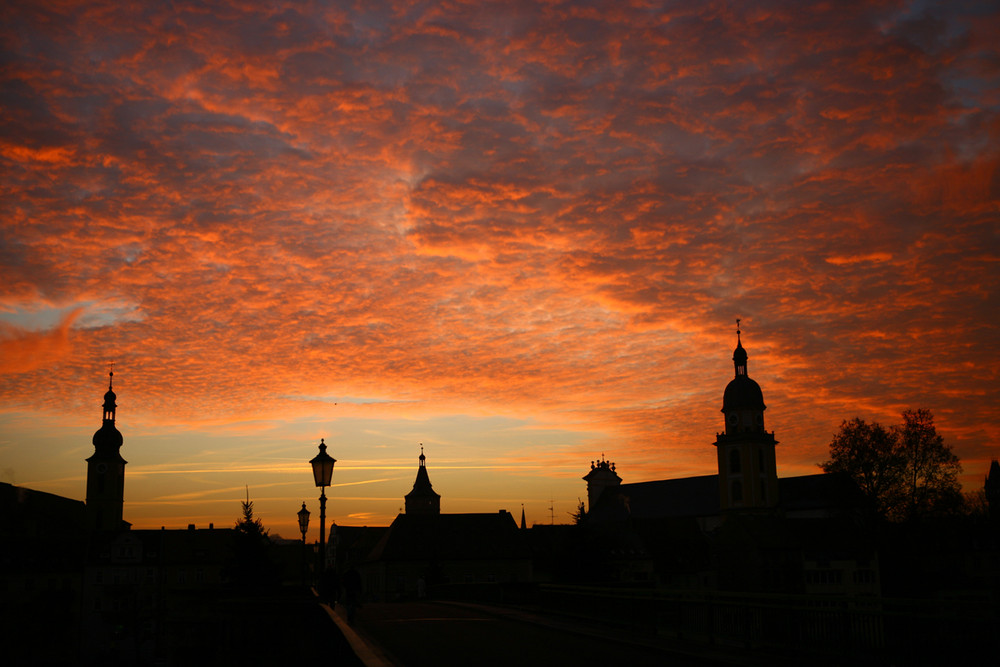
x: 422, y: 499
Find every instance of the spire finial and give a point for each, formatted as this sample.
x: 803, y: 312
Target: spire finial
x: 739, y: 354
x: 109, y: 398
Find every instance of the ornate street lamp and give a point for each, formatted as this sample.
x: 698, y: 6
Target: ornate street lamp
x: 303, y: 515
x: 322, y: 465
x: 303, y: 522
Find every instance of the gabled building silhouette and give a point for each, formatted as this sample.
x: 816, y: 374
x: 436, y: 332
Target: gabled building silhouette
x: 446, y: 555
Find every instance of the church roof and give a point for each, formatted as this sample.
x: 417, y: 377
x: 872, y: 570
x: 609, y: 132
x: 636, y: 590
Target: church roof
x: 699, y: 497
x: 451, y: 537
x: 822, y: 491
x: 685, y: 497
x: 29, y: 513
x: 422, y: 485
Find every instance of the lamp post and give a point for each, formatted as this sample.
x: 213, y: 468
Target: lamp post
x: 322, y: 465
x: 303, y: 515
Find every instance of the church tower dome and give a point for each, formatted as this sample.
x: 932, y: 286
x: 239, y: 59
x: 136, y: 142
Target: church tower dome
x: 742, y: 393
x: 747, y: 472
x: 106, y: 470
x: 108, y: 436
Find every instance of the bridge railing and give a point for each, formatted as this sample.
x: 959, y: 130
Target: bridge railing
x: 845, y: 626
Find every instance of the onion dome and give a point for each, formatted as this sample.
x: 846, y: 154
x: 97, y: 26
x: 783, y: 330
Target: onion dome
x: 108, y: 439
x: 742, y: 393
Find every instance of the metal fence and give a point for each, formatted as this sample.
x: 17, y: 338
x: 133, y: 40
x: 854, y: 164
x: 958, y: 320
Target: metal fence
x: 915, y: 631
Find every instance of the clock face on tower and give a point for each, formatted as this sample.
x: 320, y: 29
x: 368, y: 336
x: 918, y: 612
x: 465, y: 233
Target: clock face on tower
x: 733, y: 418
x: 102, y: 468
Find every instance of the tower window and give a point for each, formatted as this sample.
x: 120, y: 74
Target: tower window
x: 760, y: 460
x: 734, y: 462
x: 737, y: 491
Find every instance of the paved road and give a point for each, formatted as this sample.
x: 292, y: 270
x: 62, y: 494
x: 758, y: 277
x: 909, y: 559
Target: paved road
x: 421, y: 634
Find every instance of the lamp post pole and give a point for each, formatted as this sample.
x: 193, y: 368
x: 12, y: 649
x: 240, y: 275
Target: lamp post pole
x: 322, y: 465
x: 303, y: 515
x: 322, y: 529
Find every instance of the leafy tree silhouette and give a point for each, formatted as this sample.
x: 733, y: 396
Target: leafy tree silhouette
x: 931, y: 470
x: 870, y: 454
x: 907, y: 472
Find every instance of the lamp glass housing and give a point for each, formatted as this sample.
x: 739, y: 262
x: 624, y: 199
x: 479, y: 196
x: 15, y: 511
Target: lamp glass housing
x: 322, y: 465
x: 303, y: 519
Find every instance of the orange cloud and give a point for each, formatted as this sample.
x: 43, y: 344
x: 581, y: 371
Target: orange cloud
x: 23, y: 351
x: 546, y: 213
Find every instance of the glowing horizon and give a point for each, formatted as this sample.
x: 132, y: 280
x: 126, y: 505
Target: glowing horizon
x: 517, y: 233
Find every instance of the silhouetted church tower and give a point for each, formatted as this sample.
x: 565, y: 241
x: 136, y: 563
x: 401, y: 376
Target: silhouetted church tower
x: 748, y: 477
x: 422, y: 499
x: 602, y: 475
x: 106, y: 471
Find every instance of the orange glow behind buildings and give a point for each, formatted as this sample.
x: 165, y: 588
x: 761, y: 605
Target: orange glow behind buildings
x: 517, y: 234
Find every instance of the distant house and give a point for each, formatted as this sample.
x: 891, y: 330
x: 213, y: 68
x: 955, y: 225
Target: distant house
x: 145, y: 589
x: 43, y: 544
x: 424, y: 551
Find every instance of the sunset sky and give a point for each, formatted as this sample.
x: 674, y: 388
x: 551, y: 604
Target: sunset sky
x: 519, y: 233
